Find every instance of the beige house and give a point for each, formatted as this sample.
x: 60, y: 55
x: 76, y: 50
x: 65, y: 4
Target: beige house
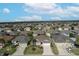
x: 66, y: 27
x: 7, y: 29
x: 48, y: 34
x: 27, y: 29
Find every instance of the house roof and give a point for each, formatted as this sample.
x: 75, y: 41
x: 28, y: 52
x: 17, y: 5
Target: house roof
x: 42, y: 38
x: 5, y: 37
x: 39, y: 32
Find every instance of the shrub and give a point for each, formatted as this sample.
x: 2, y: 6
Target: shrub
x: 54, y: 48
x: 71, y: 34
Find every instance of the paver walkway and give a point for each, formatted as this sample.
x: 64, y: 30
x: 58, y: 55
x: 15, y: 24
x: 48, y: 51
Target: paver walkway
x: 47, y: 49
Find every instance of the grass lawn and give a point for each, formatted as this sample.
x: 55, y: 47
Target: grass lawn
x: 54, y: 48
x: 29, y: 50
x: 75, y: 51
x: 8, y: 49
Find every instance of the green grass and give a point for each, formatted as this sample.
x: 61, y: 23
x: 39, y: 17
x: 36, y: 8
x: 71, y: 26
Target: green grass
x: 29, y: 50
x: 75, y: 51
x: 8, y: 49
x: 54, y: 48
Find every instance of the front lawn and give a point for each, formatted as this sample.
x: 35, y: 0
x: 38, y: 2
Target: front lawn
x: 37, y: 50
x: 10, y: 49
x: 54, y: 48
x: 75, y: 51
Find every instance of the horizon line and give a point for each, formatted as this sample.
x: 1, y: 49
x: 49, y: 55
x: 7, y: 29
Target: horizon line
x: 40, y: 21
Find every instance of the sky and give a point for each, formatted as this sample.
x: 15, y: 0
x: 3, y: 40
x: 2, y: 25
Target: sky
x: 10, y: 12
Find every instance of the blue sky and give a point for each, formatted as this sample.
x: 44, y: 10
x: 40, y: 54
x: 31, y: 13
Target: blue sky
x: 38, y: 11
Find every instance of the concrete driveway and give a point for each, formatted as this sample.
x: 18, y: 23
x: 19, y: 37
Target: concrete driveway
x: 47, y: 49
x: 62, y: 47
x: 20, y: 50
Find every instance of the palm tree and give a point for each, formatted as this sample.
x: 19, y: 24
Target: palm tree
x: 34, y: 42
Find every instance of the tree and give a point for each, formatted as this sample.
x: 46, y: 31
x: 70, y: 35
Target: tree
x: 30, y: 35
x: 34, y: 42
x: 29, y: 42
x: 71, y: 34
x: 72, y: 28
x: 2, y: 40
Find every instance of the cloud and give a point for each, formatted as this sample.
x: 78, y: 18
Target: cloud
x: 73, y: 9
x: 55, y: 10
x: 46, y: 9
x: 42, y: 6
x: 56, y: 18
x: 29, y: 18
x: 70, y: 11
x: 51, y: 9
x: 39, y: 8
x: 6, y: 11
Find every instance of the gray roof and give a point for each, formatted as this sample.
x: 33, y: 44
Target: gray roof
x: 43, y: 38
x: 39, y: 32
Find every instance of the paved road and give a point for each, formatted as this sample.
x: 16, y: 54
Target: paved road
x: 21, y: 47
x: 47, y: 49
x: 62, y: 49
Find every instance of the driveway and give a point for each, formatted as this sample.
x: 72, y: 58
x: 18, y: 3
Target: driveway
x: 62, y: 47
x: 47, y: 49
x: 21, y: 47
x: 20, y: 50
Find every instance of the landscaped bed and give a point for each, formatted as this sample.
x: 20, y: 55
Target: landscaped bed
x: 36, y: 50
x: 54, y: 48
x: 75, y: 51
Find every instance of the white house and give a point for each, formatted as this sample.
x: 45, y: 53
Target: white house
x: 18, y: 30
x: 60, y: 29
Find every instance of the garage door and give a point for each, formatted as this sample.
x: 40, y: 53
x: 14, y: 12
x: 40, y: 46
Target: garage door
x: 46, y: 43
